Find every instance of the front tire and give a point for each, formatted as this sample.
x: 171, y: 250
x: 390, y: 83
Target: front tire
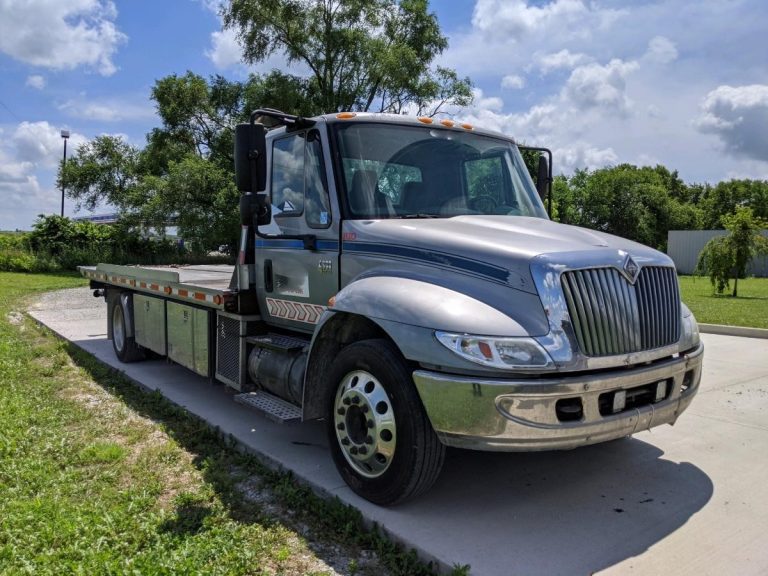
x: 381, y: 440
x: 125, y: 346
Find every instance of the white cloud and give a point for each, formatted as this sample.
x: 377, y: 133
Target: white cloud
x: 514, y: 19
x: 631, y: 82
x: 28, y: 162
x: 562, y: 59
x: 661, y: 50
x: 35, y: 81
x: 225, y: 51
x: 21, y: 190
x: 61, y: 35
x: 739, y: 117
x: 513, y: 82
x: 39, y: 144
x: 487, y: 103
x: 111, y: 110
x: 593, y: 85
x: 583, y: 155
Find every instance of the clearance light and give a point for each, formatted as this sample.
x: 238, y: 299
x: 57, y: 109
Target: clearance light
x: 504, y: 353
x: 447, y: 123
x: 167, y: 289
x: 331, y: 301
x: 425, y: 120
x: 218, y: 299
x: 466, y: 126
x: 345, y: 115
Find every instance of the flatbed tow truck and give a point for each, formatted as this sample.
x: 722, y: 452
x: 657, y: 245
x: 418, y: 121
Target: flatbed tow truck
x: 400, y: 279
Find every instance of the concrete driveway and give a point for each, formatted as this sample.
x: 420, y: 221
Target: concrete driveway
x: 688, y: 499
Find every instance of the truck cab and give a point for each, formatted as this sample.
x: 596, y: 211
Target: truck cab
x: 400, y: 279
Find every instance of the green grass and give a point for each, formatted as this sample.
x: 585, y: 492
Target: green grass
x: 749, y: 309
x: 97, y: 476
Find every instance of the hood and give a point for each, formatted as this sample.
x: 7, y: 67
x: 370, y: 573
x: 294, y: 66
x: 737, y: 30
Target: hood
x: 499, y: 247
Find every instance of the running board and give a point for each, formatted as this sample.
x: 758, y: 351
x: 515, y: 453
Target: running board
x: 274, y: 408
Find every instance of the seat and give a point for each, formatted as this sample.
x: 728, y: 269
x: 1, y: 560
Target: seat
x: 365, y: 198
x: 415, y: 198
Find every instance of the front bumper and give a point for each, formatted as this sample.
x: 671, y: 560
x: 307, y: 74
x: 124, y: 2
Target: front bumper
x: 522, y: 415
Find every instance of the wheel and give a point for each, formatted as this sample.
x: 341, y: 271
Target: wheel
x: 125, y: 346
x: 381, y: 440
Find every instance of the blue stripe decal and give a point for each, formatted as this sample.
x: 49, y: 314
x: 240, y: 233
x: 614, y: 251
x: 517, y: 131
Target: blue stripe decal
x: 296, y: 244
x: 432, y: 257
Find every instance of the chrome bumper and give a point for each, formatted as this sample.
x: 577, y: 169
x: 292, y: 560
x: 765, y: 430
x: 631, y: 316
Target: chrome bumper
x: 520, y: 415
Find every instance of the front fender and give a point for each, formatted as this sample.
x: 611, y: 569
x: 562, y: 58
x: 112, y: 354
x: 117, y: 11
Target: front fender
x: 407, y: 312
x: 418, y: 303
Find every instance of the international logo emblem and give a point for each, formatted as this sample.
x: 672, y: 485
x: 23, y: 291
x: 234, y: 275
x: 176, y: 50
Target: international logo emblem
x: 631, y: 270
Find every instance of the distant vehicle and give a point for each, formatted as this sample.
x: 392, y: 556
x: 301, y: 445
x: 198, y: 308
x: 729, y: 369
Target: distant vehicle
x: 400, y: 279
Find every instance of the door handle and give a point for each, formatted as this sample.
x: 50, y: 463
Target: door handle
x: 269, y: 284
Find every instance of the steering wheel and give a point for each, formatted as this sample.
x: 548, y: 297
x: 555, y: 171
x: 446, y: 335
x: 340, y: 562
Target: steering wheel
x: 484, y: 203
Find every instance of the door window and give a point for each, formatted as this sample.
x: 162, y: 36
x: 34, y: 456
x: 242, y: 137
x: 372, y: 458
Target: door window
x: 299, y: 184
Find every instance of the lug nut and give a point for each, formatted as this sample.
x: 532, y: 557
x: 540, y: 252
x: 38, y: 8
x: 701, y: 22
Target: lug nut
x: 369, y: 440
x: 346, y: 402
x: 345, y: 441
x: 340, y: 426
x: 353, y: 450
x: 363, y: 450
x: 341, y: 411
x: 365, y: 408
x: 355, y: 400
x: 370, y: 423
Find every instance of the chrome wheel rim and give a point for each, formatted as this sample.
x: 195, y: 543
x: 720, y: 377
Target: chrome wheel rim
x: 118, y: 328
x: 365, y: 424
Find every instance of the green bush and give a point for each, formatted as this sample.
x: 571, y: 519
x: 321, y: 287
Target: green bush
x: 57, y: 243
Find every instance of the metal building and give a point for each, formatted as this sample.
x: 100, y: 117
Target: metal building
x: 683, y: 246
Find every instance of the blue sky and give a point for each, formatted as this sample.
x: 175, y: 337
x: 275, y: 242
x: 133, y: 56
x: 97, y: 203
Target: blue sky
x: 684, y: 84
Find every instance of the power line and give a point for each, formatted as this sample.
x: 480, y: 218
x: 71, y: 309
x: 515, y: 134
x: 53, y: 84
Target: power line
x: 11, y: 112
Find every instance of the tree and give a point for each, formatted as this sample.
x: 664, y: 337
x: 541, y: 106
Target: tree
x: 723, y: 198
x: 366, y: 55
x: 185, y: 172
x: 639, y: 203
x: 104, y: 169
x: 728, y: 256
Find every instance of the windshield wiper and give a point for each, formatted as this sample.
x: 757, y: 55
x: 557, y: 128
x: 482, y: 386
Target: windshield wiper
x: 419, y: 215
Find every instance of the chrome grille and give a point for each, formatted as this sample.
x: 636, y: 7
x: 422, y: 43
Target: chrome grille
x: 611, y: 316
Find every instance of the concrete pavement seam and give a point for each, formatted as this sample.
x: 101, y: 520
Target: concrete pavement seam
x: 725, y: 330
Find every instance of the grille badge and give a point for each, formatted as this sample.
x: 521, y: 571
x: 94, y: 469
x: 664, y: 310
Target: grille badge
x: 630, y: 269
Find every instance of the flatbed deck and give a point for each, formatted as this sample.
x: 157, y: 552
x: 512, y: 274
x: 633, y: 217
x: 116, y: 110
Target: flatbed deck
x: 204, y: 284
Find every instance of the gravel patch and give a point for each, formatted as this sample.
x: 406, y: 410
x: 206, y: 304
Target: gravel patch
x: 70, y: 299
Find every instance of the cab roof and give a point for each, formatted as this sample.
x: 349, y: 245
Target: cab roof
x: 404, y: 120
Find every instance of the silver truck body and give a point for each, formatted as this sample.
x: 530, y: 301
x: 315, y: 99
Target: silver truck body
x: 520, y: 333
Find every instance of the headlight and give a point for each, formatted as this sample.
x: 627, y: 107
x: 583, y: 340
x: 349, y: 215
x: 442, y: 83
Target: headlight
x: 504, y: 353
x: 690, y: 329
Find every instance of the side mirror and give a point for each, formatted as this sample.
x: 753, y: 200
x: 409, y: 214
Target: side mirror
x: 263, y: 211
x: 255, y: 209
x: 542, y: 177
x: 250, y: 157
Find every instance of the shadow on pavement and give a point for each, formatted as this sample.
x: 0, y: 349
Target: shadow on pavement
x: 574, y: 512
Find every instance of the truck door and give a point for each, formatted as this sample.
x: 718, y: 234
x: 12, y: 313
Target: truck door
x: 295, y: 283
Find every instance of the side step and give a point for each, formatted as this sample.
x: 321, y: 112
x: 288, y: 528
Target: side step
x: 274, y: 408
x: 278, y: 342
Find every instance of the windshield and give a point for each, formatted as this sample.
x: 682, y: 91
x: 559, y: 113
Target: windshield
x: 395, y: 171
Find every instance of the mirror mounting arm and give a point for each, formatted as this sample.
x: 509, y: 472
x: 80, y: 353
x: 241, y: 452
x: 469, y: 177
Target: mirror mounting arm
x: 544, y: 176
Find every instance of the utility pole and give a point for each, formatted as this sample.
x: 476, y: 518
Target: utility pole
x: 65, y: 136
